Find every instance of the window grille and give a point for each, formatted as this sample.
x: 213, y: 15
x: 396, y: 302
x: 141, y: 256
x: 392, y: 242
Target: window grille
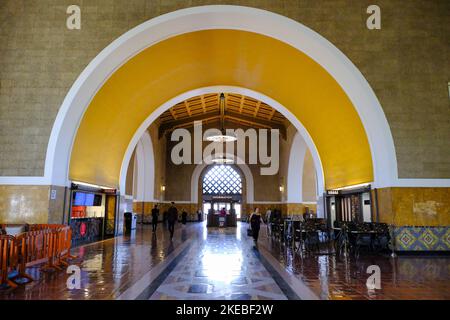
x: 222, y: 179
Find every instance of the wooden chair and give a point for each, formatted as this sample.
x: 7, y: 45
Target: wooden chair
x: 8, y: 259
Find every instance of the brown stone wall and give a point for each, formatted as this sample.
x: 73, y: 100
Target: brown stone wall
x: 178, y: 177
x: 159, y: 152
x: 309, y: 181
x: 406, y: 63
x: 58, y: 208
x: 285, y: 151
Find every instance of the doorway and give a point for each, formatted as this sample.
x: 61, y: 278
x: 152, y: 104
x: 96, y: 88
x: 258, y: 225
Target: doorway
x: 222, y: 188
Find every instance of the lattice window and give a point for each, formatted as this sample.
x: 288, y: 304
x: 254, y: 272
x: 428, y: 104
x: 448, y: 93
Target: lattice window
x: 222, y: 179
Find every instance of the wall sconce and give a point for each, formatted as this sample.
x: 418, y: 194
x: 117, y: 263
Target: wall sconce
x: 281, y: 188
x: 448, y: 89
x: 163, y: 188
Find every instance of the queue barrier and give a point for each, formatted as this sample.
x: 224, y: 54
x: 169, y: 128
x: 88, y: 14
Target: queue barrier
x: 43, y: 243
x: 8, y: 259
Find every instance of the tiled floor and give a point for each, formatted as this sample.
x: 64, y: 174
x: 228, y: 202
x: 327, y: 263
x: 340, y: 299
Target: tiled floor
x: 220, y: 266
x: 206, y: 263
x: 337, y: 277
x: 108, y: 267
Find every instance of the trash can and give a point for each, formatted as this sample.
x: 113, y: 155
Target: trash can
x: 130, y: 221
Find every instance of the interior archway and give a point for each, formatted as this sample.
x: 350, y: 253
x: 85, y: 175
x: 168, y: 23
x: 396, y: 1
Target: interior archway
x: 144, y: 169
x: 248, y: 178
x: 326, y: 82
x: 295, y: 170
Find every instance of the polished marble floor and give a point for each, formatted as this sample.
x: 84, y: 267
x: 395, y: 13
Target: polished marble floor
x: 220, y: 265
x: 203, y: 263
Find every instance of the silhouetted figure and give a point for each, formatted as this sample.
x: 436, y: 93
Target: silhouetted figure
x: 155, y: 215
x: 184, y: 217
x: 172, y: 217
x: 255, y: 224
x: 305, y: 216
x: 199, y: 215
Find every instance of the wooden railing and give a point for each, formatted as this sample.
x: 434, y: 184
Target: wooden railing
x: 43, y: 243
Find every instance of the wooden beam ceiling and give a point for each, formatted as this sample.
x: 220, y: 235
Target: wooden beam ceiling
x: 239, y: 109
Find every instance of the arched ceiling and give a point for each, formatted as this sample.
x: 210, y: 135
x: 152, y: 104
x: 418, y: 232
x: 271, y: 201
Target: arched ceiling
x: 221, y: 57
x: 239, y: 109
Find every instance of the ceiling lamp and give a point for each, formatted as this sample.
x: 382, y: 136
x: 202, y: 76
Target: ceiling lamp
x: 223, y: 137
x: 223, y: 160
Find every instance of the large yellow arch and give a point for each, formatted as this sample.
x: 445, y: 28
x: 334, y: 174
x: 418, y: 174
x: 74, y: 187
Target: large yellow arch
x: 221, y: 57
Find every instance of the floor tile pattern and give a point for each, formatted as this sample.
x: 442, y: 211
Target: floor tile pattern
x: 220, y: 267
x: 333, y: 276
x: 220, y: 264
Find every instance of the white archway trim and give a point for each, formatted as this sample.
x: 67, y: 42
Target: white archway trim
x: 222, y: 17
x: 214, y: 89
x: 145, y: 173
x: 244, y: 168
x: 135, y: 179
x: 295, y: 170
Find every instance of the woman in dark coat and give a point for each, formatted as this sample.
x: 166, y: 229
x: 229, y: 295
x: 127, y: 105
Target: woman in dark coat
x: 255, y: 224
x: 155, y: 215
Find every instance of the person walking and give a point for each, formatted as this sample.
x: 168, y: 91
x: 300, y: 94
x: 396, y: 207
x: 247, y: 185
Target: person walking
x: 184, y: 217
x: 255, y: 224
x: 172, y: 217
x: 155, y: 215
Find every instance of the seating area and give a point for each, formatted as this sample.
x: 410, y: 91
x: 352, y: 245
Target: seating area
x: 313, y: 234
x: 32, y: 244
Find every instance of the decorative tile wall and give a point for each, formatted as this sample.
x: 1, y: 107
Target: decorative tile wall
x: 422, y: 238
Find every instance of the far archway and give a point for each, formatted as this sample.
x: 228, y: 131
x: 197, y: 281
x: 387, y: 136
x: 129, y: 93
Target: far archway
x: 144, y: 170
x: 222, y: 188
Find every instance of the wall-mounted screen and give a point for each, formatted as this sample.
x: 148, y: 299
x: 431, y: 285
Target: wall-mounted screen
x: 89, y: 199
x: 79, y: 198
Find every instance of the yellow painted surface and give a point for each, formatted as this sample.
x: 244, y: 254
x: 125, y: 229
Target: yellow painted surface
x: 300, y: 208
x: 414, y: 206
x: 221, y: 57
x: 286, y: 208
x: 24, y: 204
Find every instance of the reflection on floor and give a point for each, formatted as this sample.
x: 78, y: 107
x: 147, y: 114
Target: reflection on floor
x: 220, y: 266
x: 336, y: 277
x: 204, y: 263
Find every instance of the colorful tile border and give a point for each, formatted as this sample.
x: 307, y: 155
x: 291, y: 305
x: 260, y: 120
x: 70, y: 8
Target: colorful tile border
x: 425, y: 238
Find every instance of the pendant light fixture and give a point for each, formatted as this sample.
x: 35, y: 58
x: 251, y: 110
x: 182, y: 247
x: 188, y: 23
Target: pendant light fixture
x: 222, y: 137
